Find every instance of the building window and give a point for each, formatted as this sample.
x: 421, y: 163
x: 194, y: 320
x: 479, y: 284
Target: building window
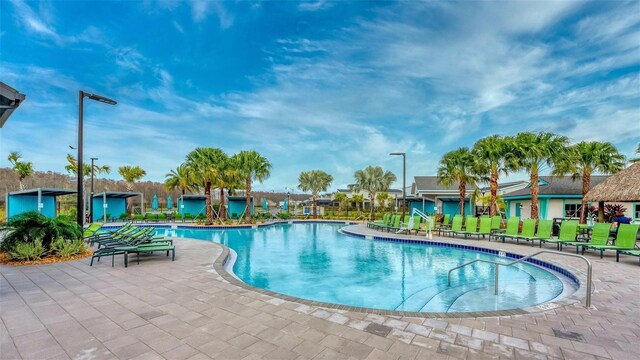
x: 636, y: 212
x: 572, y: 211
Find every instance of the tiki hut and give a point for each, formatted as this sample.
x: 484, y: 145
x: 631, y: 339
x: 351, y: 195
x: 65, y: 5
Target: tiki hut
x: 621, y: 187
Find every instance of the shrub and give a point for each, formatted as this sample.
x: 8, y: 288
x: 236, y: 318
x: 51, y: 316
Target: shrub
x: 27, y: 251
x: 33, y: 226
x: 64, y: 248
x: 610, y: 211
x: 283, y: 215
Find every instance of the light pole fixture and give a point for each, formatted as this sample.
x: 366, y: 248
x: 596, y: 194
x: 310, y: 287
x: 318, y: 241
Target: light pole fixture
x: 404, y: 179
x: 288, y: 202
x: 91, y: 197
x: 81, y: 96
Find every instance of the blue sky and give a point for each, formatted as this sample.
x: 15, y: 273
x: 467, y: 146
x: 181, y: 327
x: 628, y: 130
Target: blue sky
x: 314, y: 85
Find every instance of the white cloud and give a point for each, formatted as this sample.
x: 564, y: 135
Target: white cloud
x: 201, y: 9
x: 33, y: 22
x: 315, y: 5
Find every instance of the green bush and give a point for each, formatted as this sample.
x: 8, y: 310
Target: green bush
x: 64, y: 248
x: 283, y: 215
x: 27, y: 251
x: 27, y: 228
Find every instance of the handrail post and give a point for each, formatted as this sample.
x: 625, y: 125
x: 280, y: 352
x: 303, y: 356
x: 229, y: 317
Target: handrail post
x: 497, y: 277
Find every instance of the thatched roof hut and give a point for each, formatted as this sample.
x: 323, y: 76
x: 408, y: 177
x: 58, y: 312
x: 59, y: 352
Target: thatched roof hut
x: 621, y: 187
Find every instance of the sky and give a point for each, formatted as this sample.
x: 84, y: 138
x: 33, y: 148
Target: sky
x: 325, y: 85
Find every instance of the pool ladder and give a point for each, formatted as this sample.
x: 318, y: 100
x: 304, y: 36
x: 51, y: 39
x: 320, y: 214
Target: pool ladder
x: 498, y: 264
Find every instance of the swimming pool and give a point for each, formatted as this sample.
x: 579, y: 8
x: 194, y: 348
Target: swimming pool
x: 316, y: 261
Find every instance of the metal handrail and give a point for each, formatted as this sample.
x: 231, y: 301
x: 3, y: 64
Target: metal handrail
x: 498, y: 264
x: 364, y: 218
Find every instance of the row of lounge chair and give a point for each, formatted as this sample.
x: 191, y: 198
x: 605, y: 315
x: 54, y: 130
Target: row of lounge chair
x: 570, y: 234
x: 128, y: 239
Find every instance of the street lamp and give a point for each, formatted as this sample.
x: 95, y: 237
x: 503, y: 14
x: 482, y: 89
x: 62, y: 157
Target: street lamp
x: 91, y: 197
x: 288, y: 202
x: 404, y: 176
x: 81, y: 96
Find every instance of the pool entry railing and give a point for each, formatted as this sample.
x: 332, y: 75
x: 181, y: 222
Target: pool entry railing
x: 428, y: 219
x: 498, y: 264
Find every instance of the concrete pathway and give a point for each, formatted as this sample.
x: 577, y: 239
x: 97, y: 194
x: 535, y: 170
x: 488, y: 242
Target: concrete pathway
x: 185, y: 310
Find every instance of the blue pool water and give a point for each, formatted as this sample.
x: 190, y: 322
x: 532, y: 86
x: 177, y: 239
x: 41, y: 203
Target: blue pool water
x: 317, y: 262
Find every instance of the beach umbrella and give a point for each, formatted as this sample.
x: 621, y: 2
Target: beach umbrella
x: 154, y: 203
x: 169, y: 202
x: 265, y: 206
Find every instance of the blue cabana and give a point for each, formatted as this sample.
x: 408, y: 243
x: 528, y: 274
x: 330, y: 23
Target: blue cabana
x: 191, y: 204
x: 113, y: 204
x: 42, y: 200
x: 236, y: 206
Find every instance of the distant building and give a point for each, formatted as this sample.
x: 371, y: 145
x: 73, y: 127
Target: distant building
x: 10, y: 99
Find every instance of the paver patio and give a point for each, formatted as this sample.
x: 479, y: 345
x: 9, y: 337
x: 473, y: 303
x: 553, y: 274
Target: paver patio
x: 186, y: 310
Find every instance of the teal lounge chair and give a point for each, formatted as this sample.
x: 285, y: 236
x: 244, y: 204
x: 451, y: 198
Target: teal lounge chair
x: 513, y: 223
x: 599, y: 236
x: 625, y: 240
x: 568, y: 232
x: 528, y: 230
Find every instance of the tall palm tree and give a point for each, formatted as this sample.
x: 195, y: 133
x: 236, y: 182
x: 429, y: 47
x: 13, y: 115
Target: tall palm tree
x: 314, y: 181
x: 373, y: 179
x: 131, y: 174
x: 382, y: 198
x: 181, y: 178
x: 587, y: 157
x: 72, y: 168
x: 209, y: 166
x: 251, y: 166
x: 491, y: 159
x: 340, y: 198
x: 634, y: 160
x: 24, y: 169
x: 359, y: 200
x: 457, y: 167
x: 532, y: 152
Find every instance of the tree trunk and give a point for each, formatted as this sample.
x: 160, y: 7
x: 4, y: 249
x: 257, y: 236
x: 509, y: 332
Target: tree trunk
x: 247, y: 211
x: 534, y: 192
x: 21, y: 184
x: 222, y: 211
x: 462, y: 187
x: 493, y: 185
x: 207, y: 201
x: 315, y: 205
x: 371, y: 199
x: 586, y: 181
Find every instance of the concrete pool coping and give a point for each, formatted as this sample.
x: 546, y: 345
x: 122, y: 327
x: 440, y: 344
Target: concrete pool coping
x: 222, y: 265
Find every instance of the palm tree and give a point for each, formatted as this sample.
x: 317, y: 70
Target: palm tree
x: 251, y: 166
x: 181, y: 178
x: 532, y: 152
x: 373, y: 179
x: 314, y: 181
x: 209, y: 166
x: 457, y: 167
x: 72, y: 168
x: 359, y: 200
x: 340, y: 198
x: 382, y: 198
x: 24, y: 169
x: 587, y: 157
x: 131, y: 174
x: 634, y: 160
x: 491, y: 159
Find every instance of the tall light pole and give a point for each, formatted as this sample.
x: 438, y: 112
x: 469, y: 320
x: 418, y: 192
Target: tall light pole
x: 91, y: 197
x: 404, y: 179
x: 81, y: 96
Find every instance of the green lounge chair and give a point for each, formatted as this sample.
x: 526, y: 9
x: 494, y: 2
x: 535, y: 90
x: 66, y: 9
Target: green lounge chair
x: 568, y: 232
x: 446, y: 222
x: 410, y: 226
x: 625, y: 240
x: 384, y: 221
x: 496, y: 223
x: 545, y: 228
x: 402, y: 224
x: 456, y: 225
x: 599, y: 236
x: 627, y: 252
x: 387, y: 223
x: 511, y: 231
x: 426, y: 226
x: 394, y: 222
x: 528, y: 230
x: 470, y: 226
x: 484, y: 230
x: 144, y: 244
x: 91, y: 230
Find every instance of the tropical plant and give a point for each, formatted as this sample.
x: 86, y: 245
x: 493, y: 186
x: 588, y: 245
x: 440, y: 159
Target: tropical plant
x: 64, y: 248
x: 585, y: 158
x: 72, y: 167
x: 372, y: 179
x: 532, y: 152
x: 131, y: 174
x: 457, y: 167
x: 27, y: 251
x: 314, y: 181
x: 33, y: 226
x: 24, y: 169
x: 359, y: 200
x: 341, y: 198
x: 611, y: 210
x: 181, y: 178
x: 382, y: 198
x: 491, y: 159
x: 251, y: 166
x: 209, y: 166
x: 635, y: 160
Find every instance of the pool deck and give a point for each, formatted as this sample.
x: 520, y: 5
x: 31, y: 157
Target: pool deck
x: 187, y: 310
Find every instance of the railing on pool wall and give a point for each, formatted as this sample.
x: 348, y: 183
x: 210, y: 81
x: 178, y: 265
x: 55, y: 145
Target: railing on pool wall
x: 498, y: 264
